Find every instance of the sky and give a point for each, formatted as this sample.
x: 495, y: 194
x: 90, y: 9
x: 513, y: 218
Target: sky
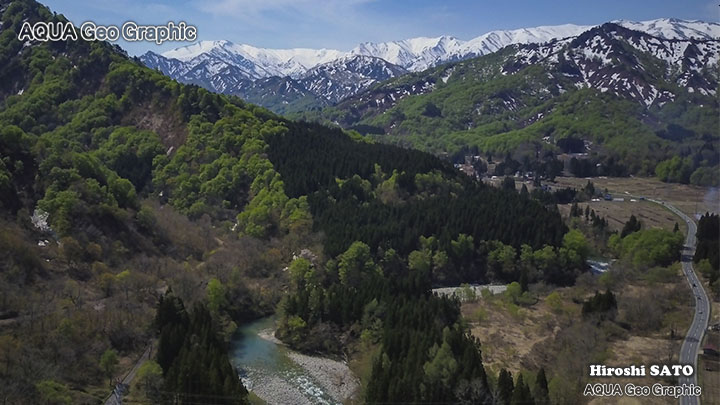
x: 342, y: 24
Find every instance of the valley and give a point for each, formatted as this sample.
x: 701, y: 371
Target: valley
x: 231, y: 224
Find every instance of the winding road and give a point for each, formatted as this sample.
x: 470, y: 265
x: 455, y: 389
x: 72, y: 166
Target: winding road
x: 691, y: 345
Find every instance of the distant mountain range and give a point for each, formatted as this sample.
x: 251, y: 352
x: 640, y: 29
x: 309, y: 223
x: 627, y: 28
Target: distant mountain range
x: 291, y: 80
x: 635, y: 99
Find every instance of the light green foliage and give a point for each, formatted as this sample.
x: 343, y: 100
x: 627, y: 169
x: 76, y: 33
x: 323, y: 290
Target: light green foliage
x: 420, y: 260
x: 109, y: 361
x: 574, y: 240
x: 674, y: 170
x: 462, y: 246
x: 124, y: 192
x: 440, y: 260
x: 130, y: 153
x: 299, y: 270
x: 651, y: 247
x: 442, y: 364
x: 428, y: 243
x: 467, y: 293
x: 501, y: 260
x: 513, y: 292
x: 388, y: 190
x: 704, y: 267
x: 52, y: 392
x: 224, y: 164
x: 296, y: 324
x: 61, y: 206
x: 150, y: 377
x: 434, y: 183
x: 355, y: 262
x: 706, y: 176
x: 555, y: 302
x: 216, y: 295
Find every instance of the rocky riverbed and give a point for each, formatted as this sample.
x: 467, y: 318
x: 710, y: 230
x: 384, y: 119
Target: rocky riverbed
x: 279, y: 375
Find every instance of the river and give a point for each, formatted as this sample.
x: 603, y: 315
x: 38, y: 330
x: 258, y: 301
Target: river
x: 274, y: 373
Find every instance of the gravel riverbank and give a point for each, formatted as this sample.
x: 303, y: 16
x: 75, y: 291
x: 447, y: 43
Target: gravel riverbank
x: 335, y: 377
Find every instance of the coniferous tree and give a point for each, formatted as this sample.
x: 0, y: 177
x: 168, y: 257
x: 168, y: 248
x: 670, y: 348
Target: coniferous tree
x: 541, y: 388
x: 505, y: 387
x: 632, y: 225
x: 521, y: 394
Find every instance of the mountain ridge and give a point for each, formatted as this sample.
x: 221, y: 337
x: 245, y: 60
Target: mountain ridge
x: 225, y: 67
x: 638, y: 98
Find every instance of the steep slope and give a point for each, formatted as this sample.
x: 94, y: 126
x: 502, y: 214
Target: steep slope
x: 285, y: 87
x: 345, y: 77
x: 639, y: 90
x: 284, y: 95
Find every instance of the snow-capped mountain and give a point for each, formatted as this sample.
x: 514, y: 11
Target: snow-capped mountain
x: 418, y: 54
x: 333, y: 75
x: 348, y: 76
x: 600, y: 59
x: 673, y: 28
x: 215, y: 67
x: 259, y: 62
x: 611, y: 59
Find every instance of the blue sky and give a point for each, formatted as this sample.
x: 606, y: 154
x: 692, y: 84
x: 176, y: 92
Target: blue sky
x: 341, y: 24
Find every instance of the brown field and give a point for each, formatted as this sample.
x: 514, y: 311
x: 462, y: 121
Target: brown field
x: 687, y: 198
x: 508, y: 338
x: 525, y: 338
x: 618, y: 212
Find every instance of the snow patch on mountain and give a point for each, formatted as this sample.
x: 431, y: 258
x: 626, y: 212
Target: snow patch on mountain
x: 673, y: 28
x: 688, y: 47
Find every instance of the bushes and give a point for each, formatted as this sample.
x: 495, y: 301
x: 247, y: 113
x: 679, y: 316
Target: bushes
x: 649, y: 247
x: 675, y: 170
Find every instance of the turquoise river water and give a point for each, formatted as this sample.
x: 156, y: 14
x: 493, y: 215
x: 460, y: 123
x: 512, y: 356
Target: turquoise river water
x: 267, y: 371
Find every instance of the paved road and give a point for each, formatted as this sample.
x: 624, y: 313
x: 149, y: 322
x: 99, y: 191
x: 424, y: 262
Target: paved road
x: 116, y: 398
x: 694, y: 336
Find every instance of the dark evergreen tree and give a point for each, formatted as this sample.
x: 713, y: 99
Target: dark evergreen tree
x: 541, y: 388
x: 508, y: 183
x: 521, y: 394
x: 505, y: 387
x: 632, y: 225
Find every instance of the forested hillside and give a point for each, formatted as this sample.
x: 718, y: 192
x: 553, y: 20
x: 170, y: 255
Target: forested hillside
x: 648, y: 103
x: 120, y: 187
